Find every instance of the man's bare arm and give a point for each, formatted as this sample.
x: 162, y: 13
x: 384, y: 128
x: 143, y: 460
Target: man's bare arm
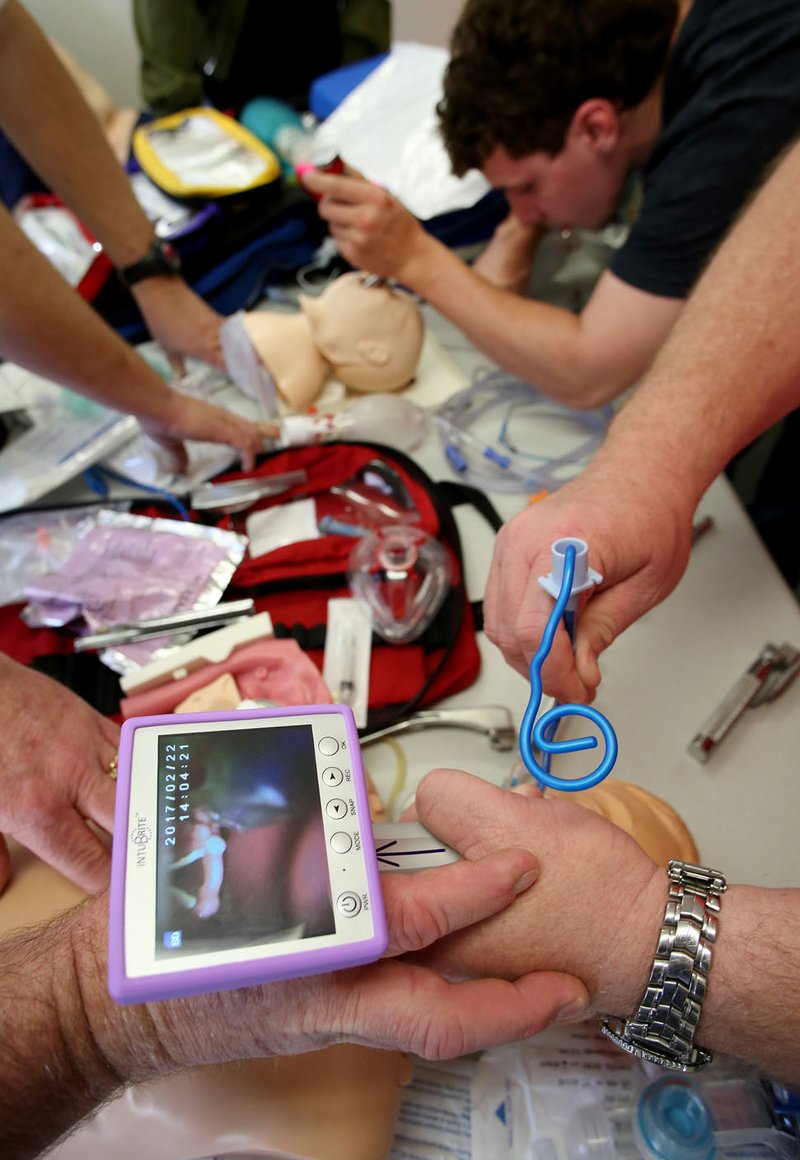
x: 45, y: 115
x: 603, y: 927
x: 729, y: 369
x: 731, y: 366
x: 48, y: 328
x: 67, y: 1047
x: 582, y: 360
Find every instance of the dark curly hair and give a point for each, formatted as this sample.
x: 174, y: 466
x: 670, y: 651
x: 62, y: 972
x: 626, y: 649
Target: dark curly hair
x: 519, y: 69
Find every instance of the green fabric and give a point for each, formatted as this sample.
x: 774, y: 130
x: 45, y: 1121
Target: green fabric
x: 174, y: 35
x: 366, y: 28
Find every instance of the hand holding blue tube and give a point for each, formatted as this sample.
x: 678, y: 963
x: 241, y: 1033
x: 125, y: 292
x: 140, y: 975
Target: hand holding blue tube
x: 539, y: 733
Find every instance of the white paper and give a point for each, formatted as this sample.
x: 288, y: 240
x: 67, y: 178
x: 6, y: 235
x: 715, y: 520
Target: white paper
x: 287, y: 523
x: 387, y: 129
x: 433, y: 1122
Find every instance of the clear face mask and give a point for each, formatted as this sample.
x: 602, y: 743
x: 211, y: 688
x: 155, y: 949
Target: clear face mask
x: 403, y: 575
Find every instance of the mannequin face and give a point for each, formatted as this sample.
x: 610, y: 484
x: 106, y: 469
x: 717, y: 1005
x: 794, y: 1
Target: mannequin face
x: 287, y: 349
x: 367, y: 337
x: 371, y: 335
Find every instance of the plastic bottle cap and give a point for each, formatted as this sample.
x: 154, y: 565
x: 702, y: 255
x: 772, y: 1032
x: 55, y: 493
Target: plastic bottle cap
x: 673, y: 1122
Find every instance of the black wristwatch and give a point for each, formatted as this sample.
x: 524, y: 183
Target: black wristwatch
x: 161, y: 260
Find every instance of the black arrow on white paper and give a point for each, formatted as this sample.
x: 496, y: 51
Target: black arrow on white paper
x: 404, y: 848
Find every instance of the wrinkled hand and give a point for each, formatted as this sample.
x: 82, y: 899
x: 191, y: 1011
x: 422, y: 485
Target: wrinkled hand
x: 54, y: 776
x: 192, y: 418
x: 638, y: 541
x: 180, y: 321
x: 390, y: 1004
x: 595, y: 911
x: 371, y: 228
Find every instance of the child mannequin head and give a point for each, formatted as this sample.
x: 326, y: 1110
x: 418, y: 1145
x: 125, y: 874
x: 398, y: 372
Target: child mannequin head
x: 368, y: 336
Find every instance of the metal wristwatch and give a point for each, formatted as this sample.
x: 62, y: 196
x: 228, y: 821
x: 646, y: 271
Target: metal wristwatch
x: 664, y: 1026
x: 161, y: 260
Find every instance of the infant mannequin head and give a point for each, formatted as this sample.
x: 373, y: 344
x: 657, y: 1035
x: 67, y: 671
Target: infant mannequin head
x: 370, y: 333
x: 368, y: 336
x: 286, y: 347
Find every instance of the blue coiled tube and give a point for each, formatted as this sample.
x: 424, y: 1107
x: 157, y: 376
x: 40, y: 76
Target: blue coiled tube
x: 539, y: 733
x: 97, y: 478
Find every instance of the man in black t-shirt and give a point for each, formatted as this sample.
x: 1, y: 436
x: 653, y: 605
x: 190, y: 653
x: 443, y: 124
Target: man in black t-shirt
x: 559, y: 102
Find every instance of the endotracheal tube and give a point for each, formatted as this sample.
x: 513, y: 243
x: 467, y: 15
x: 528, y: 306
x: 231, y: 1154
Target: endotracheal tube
x: 539, y: 734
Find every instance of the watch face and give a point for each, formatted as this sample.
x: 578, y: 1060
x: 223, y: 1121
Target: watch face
x: 170, y: 255
x: 161, y: 259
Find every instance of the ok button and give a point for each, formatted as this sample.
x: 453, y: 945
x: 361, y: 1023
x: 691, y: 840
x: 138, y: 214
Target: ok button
x: 336, y: 808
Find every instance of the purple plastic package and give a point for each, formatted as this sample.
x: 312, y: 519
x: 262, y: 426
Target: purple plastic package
x: 243, y: 852
x: 124, y: 568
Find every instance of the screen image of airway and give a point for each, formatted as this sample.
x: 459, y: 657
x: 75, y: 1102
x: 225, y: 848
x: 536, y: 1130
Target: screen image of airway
x: 250, y: 860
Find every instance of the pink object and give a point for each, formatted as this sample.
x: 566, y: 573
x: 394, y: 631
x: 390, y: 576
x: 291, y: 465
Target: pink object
x: 269, y: 670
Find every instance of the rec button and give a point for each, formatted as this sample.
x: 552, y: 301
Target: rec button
x: 348, y: 905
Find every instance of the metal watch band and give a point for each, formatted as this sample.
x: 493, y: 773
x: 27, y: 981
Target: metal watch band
x: 664, y: 1026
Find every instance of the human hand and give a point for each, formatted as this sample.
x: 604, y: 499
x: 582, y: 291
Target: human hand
x: 180, y: 321
x: 595, y: 911
x: 54, y: 776
x: 191, y: 418
x: 389, y: 1004
x: 371, y: 228
x: 638, y: 541
x: 507, y: 259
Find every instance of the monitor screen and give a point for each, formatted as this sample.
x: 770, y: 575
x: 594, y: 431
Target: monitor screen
x: 242, y: 853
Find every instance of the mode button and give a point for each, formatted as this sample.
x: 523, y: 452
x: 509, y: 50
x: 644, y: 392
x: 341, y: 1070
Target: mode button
x: 341, y: 842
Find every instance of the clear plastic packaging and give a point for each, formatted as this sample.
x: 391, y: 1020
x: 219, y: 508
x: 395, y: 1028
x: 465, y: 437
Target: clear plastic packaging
x: 680, y: 1117
x: 376, y: 495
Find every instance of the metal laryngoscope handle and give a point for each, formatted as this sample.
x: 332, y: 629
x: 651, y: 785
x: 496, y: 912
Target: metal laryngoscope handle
x: 493, y: 720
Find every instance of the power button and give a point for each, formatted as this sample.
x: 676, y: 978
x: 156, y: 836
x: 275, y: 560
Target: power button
x: 348, y: 904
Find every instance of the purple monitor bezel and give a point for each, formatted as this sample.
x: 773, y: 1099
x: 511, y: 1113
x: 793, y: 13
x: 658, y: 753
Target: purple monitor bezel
x: 276, y: 968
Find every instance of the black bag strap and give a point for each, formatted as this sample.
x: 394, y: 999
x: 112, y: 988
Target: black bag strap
x: 458, y: 493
